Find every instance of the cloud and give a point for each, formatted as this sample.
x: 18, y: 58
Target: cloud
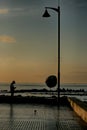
x: 19, y: 11
x: 4, y: 11
x: 7, y: 39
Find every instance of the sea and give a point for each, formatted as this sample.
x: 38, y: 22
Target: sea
x: 5, y: 88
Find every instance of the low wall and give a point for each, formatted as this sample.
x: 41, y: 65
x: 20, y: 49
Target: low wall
x: 79, y: 107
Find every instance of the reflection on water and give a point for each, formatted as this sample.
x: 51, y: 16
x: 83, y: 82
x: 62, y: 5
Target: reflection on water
x: 11, y: 111
x: 11, y: 118
x: 19, y: 111
x: 37, y: 117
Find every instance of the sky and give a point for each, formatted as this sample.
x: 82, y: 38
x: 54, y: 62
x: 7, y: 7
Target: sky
x: 28, y: 42
x: 74, y: 41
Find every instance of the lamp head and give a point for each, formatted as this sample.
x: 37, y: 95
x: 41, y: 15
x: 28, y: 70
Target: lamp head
x: 46, y: 14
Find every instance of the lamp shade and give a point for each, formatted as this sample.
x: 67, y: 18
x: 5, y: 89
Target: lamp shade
x: 46, y: 14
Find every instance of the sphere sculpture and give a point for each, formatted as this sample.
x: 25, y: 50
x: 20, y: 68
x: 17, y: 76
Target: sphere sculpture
x: 51, y: 81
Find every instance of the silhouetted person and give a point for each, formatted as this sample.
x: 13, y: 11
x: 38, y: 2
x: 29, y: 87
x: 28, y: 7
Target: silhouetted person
x: 12, y: 88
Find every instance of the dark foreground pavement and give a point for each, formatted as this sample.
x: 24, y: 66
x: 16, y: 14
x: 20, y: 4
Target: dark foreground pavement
x: 38, y: 117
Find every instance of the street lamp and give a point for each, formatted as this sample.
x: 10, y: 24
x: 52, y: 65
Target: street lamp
x: 46, y: 14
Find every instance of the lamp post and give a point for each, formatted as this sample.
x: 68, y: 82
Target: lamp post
x: 46, y: 14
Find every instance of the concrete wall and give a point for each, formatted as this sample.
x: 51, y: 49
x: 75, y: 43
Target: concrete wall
x: 79, y: 107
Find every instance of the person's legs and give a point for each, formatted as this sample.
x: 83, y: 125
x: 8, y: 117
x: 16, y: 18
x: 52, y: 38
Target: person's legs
x: 12, y: 93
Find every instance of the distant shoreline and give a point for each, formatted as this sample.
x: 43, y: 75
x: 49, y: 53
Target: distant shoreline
x: 46, y: 90
x: 63, y: 91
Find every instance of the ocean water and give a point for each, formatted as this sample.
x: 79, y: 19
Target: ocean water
x: 5, y: 88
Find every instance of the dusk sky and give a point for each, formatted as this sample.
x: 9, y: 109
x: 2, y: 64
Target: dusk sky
x: 28, y: 42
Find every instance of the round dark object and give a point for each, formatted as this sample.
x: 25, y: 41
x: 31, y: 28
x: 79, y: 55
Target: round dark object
x: 51, y: 81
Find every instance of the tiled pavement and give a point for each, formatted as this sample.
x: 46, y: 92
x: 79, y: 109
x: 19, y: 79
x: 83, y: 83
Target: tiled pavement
x: 24, y: 117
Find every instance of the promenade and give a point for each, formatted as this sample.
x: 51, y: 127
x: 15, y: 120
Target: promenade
x: 39, y: 117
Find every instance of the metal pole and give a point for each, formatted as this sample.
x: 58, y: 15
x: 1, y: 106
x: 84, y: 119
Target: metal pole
x: 58, y: 55
x: 46, y: 15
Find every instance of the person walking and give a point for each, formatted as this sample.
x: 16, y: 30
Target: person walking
x: 12, y: 88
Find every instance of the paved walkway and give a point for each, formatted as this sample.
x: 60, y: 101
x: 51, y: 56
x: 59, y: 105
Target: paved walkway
x: 39, y: 117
